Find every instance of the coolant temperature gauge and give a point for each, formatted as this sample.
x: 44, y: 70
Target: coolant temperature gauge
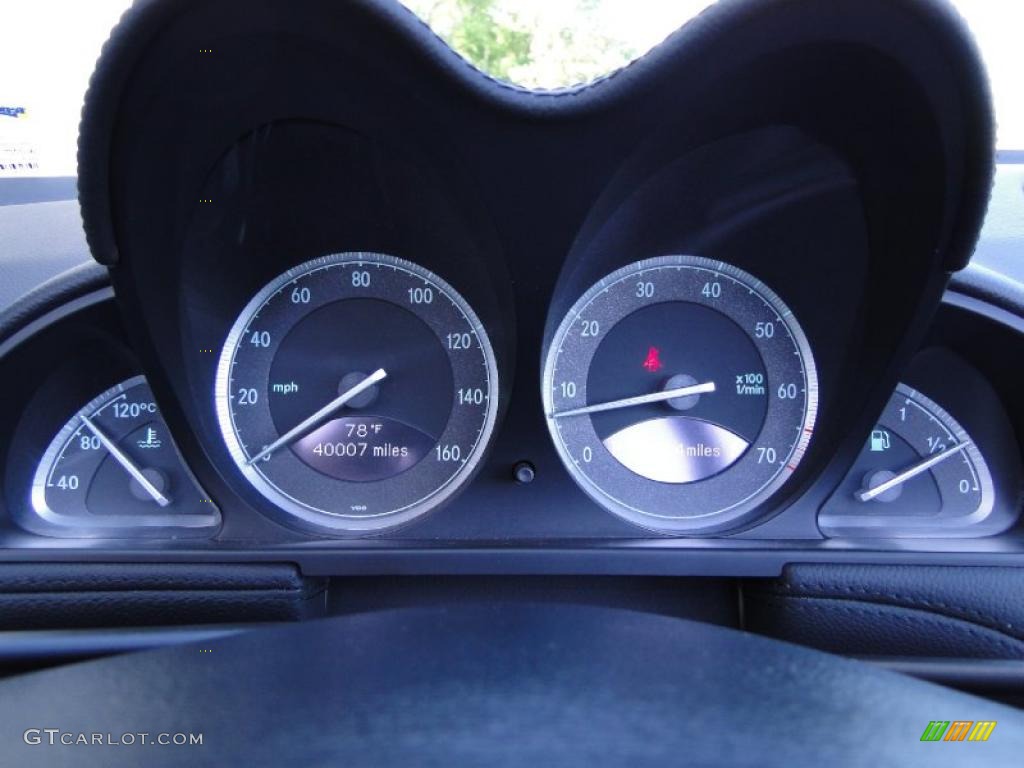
x: 919, y: 468
x: 112, y: 470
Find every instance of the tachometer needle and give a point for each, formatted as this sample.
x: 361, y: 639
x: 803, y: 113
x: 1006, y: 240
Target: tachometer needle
x: 654, y: 397
x: 307, y: 424
x: 867, y: 494
x: 129, y: 466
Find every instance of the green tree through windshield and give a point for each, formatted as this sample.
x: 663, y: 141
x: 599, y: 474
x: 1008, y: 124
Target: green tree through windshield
x: 528, y: 43
x: 491, y: 44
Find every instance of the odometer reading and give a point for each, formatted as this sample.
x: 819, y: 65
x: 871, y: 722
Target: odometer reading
x: 357, y: 391
x: 680, y: 393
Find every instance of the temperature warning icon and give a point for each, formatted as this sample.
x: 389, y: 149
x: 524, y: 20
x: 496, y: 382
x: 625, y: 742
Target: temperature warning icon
x: 150, y: 440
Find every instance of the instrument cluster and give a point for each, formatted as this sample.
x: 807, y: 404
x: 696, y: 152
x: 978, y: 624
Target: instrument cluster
x: 358, y: 392
x: 365, y: 300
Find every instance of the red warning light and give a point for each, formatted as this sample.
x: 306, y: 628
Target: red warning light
x: 653, y: 362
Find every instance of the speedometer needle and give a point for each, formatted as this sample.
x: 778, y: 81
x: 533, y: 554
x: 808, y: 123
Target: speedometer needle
x: 867, y: 494
x: 129, y: 466
x: 308, y: 423
x: 654, y: 397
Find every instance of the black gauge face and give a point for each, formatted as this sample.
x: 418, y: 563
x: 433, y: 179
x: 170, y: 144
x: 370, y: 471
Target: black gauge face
x: 917, y: 468
x: 113, y: 470
x: 680, y: 393
x: 357, y: 391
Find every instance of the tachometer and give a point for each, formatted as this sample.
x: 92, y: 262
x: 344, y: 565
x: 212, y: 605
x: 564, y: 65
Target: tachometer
x: 357, y: 391
x: 680, y: 393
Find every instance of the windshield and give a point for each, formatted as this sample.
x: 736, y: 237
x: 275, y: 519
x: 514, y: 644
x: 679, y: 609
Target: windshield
x: 534, y: 43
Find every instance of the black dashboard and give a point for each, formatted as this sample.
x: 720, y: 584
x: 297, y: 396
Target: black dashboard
x: 366, y: 310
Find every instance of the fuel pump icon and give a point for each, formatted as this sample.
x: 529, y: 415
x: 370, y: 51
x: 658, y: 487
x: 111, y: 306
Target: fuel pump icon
x: 880, y: 440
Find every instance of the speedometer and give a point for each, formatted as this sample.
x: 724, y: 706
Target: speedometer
x: 680, y: 393
x: 357, y: 391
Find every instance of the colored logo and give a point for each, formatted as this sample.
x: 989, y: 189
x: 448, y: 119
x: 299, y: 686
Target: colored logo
x: 12, y: 111
x: 958, y: 730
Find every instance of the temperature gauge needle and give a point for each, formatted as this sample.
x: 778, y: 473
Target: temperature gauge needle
x: 308, y: 423
x: 129, y: 466
x: 654, y: 397
x: 867, y: 494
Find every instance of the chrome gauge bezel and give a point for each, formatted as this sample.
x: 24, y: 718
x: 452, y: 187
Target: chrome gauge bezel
x: 295, y: 510
x: 695, y: 520
x: 50, y: 522
x: 895, y: 519
x: 973, y: 456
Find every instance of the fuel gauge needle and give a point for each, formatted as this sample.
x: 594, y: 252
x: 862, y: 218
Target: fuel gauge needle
x: 129, y: 466
x: 867, y: 494
x: 311, y: 421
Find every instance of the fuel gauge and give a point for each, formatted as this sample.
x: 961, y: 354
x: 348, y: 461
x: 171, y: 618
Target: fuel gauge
x: 113, y: 470
x: 919, y: 470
